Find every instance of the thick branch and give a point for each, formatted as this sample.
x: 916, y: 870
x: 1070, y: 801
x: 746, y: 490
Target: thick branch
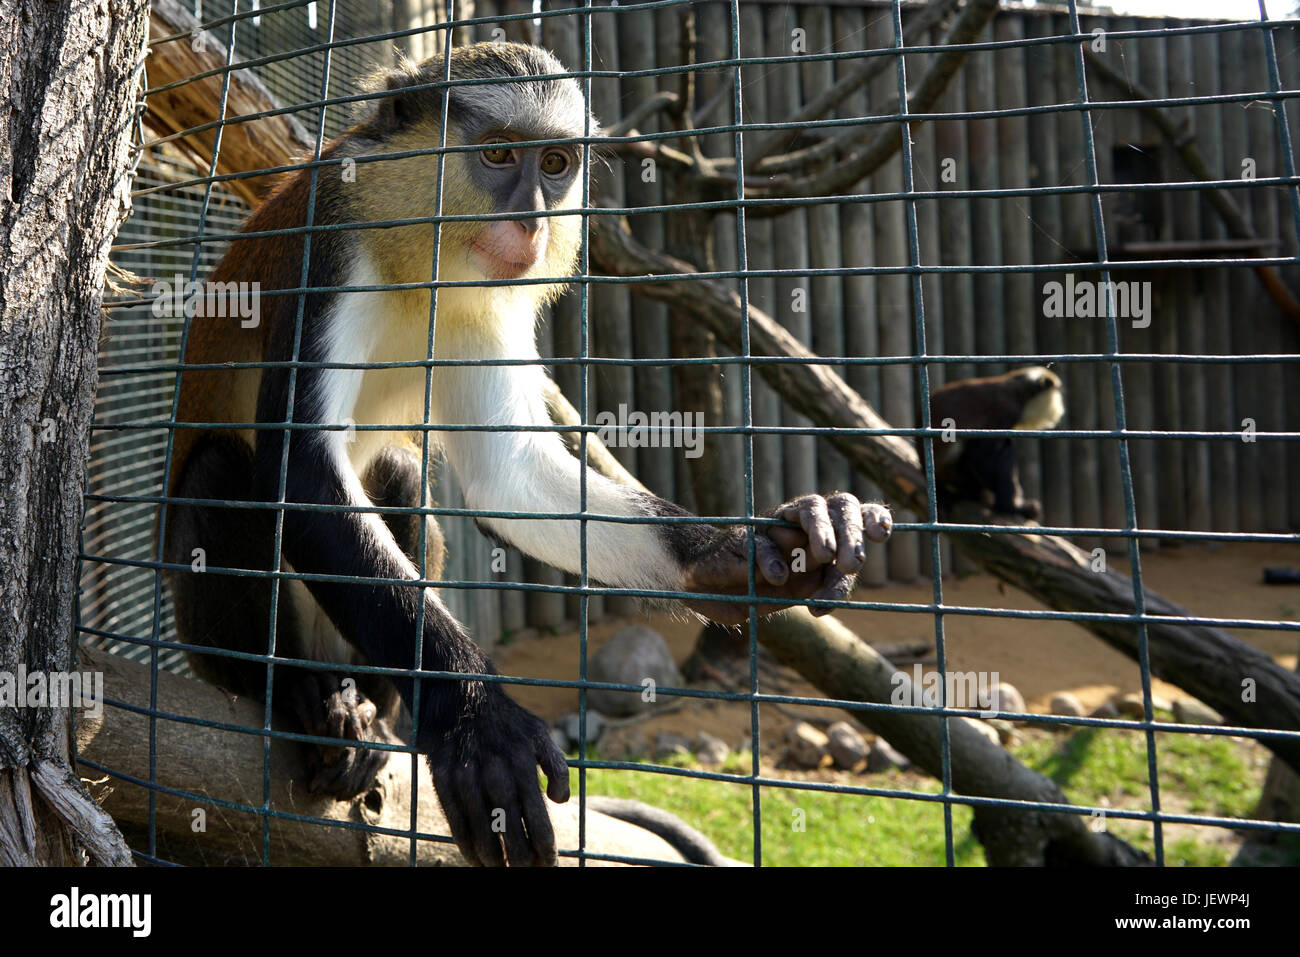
x: 213, y: 765
x: 1204, y: 661
x: 844, y: 666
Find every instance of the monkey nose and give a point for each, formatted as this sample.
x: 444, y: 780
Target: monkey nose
x: 529, y: 226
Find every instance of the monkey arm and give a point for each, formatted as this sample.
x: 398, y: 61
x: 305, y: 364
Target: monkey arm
x: 483, y: 748
x: 509, y: 470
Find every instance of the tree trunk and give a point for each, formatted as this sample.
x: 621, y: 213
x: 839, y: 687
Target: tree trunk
x: 69, y: 75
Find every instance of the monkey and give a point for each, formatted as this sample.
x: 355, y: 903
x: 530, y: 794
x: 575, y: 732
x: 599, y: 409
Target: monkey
x: 983, y: 469
x: 298, y: 436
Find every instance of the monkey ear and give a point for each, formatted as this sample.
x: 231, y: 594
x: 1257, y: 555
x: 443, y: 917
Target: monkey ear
x: 394, y: 107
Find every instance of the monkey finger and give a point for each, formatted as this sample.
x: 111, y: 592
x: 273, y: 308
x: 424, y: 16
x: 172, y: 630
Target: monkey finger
x: 507, y: 817
x: 455, y: 814
x: 811, y: 514
x: 481, y: 816
x: 768, y: 561
x: 555, y: 767
x: 877, y: 521
x: 541, y: 835
x: 846, y: 515
x: 836, y: 586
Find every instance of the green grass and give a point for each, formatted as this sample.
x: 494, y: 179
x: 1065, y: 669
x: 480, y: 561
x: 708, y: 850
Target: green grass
x: 1199, y: 774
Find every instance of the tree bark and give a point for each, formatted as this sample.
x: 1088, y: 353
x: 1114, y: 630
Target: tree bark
x: 69, y: 76
x: 199, y: 766
x: 844, y: 666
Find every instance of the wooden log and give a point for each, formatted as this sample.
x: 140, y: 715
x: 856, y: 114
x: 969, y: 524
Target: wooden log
x: 790, y: 245
x: 769, y: 478
x: 1217, y: 340
x: 1044, y: 171
x: 1270, y: 408
x: 642, y: 187
x: 826, y: 311
x: 893, y: 303
x: 861, y: 323
x: 1076, y: 234
x: 1191, y: 316
x: 208, y: 765
x: 1245, y: 378
x: 986, y: 214
x: 1019, y: 297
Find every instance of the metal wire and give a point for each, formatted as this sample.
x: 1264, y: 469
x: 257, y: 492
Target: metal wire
x: 142, y: 359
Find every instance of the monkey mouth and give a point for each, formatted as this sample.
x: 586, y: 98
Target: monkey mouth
x: 497, y: 266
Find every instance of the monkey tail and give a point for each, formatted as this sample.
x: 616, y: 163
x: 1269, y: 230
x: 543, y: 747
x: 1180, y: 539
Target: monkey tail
x: 684, y: 839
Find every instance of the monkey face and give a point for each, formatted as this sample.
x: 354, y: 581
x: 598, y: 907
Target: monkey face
x: 520, y: 180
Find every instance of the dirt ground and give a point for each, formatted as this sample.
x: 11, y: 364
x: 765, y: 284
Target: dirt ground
x: 1040, y: 658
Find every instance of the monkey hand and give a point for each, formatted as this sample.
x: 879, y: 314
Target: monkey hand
x: 485, y: 772
x: 819, y: 560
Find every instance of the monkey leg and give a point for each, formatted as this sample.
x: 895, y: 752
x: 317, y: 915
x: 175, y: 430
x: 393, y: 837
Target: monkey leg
x: 392, y: 480
x: 233, y: 612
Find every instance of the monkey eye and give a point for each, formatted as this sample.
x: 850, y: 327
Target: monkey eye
x: 498, y: 153
x: 555, y: 163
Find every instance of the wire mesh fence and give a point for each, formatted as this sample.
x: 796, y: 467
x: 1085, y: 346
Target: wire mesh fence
x: 1050, y: 152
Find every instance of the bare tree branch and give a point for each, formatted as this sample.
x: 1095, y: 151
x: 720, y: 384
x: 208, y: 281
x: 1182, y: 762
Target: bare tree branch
x: 860, y: 76
x: 842, y: 175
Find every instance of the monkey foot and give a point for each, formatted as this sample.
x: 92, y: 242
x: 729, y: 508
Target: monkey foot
x: 334, y: 708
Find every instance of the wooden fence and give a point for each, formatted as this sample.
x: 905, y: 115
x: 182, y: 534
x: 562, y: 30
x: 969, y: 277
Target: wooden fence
x: 1179, y: 483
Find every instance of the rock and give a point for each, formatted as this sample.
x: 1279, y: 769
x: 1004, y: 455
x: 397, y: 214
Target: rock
x: 1067, y: 705
x: 808, y: 747
x: 560, y: 738
x: 1105, y: 710
x: 1130, y: 705
x: 884, y: 756
x: 595, y: 726
x: 1007, y: 698
x: 848, y: 748
x: 634, y: 654
x: 1006, y: 730
x: 710, y: 750
x: 668, y: 744
x: 1191, y: 711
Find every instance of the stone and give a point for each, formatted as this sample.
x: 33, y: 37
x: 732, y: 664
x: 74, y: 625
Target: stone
x: 807, y: 747
x: 1191, y: 711
x: 595, y: 727
x: 1105, y: 710
x: 668, y: 744
x: 1130, y: 705
x: 633, y: 656
x: 1067, y: 705
x: 884, y: 756
x: 848, y: 748
x: 1007, y: 698
x: 709, y: 749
